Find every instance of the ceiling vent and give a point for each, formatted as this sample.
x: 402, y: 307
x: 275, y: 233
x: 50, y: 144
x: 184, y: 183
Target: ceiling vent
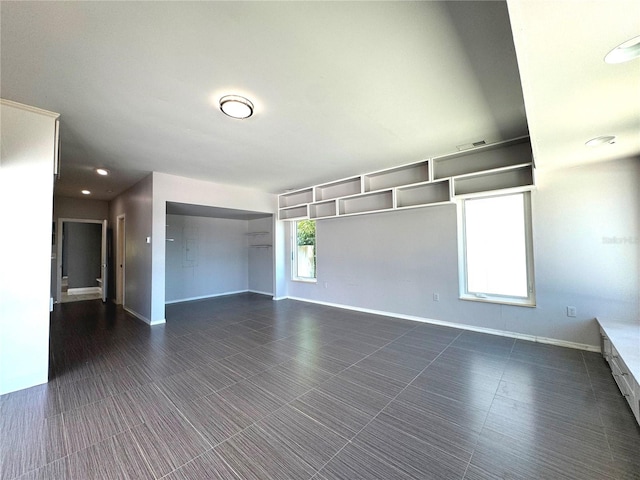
x: 468, y: 146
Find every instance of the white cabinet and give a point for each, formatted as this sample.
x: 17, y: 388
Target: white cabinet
x: 501, y: 167
x: 27, y: 159
x: 620, y: 343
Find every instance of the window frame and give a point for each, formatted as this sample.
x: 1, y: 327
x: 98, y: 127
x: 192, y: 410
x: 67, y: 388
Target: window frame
x: 294, y: 254
x: 530, y: 299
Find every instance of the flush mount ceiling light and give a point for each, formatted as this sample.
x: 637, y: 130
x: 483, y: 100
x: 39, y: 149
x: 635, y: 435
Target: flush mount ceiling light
x: 595, y: 142
x: 236, y: 106
x: 86, y: 192
x: 625, y: 51
x: 102, y: 171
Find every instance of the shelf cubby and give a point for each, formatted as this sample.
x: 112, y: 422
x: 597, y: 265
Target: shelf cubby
x: 490, y: 157
x: 323, y: 209
x: 395, y: 177
x: 424, y: 194
x: 298, y: 197
x: 294, y: 213
x: 341, y: 188
x: 507, y: 178
x: 366, y: 203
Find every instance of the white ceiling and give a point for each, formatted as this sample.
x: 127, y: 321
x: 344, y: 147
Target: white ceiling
x: 340, y: 88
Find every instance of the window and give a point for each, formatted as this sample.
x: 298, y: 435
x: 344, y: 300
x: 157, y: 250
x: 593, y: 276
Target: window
x: 304, y: 251
x: 496, y: 249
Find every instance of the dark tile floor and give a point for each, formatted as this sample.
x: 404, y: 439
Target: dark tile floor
x: 243, y: 387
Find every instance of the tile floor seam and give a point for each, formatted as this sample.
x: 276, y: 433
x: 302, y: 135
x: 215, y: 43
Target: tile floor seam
x: 487, y: 414
x: 382, y: 409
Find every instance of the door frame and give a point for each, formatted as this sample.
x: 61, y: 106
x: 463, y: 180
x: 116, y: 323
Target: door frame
x: 120, y: 256
x: 103, y: 254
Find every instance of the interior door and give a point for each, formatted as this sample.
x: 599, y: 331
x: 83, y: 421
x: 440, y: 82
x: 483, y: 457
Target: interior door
x: 103, y: 261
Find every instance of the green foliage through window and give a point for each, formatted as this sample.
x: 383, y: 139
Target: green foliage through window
x: 306, y: 232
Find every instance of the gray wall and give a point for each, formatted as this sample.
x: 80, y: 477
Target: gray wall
x: 65, y: 207
x: 81, y: 253
x: 136, y: 205
x: 585, y: 223
x: 207, y: 257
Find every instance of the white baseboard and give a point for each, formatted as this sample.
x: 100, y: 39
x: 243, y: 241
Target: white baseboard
x: 261, y: 293
x: 280, y: 298
x: 143, y: 318
x: 202, y: 297
x: 83, y: 290
x: 461, y: 326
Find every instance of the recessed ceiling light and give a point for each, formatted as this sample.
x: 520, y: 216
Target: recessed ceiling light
x: 86, y: 192
x: 102, y: 171
x: 625, y: 51
x: 594, y: 142
x: 236, y: 106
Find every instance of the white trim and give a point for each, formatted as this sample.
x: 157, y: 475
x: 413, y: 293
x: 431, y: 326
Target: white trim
x: 464, y: 294
x: 29, y: 108
x: 277, y: 299
x: 304, y: 280
x: 491, y: 331
x: 143, y: 318
x: 260, y: 292
x: 202, y: 297
x: 83, y: 290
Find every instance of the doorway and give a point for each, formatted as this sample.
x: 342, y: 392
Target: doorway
x: 81, y: 270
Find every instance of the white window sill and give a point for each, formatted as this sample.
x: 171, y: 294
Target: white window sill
x: 304, y: 280
x: 516, y: 302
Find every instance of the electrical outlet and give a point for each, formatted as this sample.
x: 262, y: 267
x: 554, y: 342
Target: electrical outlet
x: 436, y: 297
x: 571, y: 311
x: 326, y: 284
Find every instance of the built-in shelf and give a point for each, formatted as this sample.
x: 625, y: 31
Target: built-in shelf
x: 424, y: 194
x: 501, y: 179
x: 366, y: 203
x: 488, y: 157
x: 294, y: 213
x: 499, y: 167
x: 323, y: 209
x: 395, y: 177
x: 297, y: 197
x: 341, y: 188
